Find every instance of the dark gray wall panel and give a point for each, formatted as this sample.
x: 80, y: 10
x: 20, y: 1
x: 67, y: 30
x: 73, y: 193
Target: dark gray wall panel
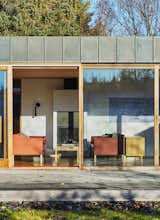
x: 157, y: 49
x: 4, y: 49
x: 19, y: 50
x: 107, y: 49
x: 125, y: 50
x: 144, y: 49
x: 71, y: 49
x: 89, y: 49
x: 36, y: 49
x: 53, y: 49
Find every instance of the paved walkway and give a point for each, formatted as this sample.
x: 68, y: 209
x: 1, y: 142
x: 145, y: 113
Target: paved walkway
x: 76, y: 185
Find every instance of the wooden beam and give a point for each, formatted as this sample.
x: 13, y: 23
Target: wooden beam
x: 156, y: 116
x: 3, y: 67
x: 119, y: 66
x: 46, y: 64
x: 39, y: 67
x: 80, y: 117
x: 45, y: 73
x: 4, y: 124
x: 10, y: 117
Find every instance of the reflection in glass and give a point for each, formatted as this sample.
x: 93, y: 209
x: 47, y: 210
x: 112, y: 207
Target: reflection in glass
x: 16, y: 105
x: 118, y: 117
x: 3, y: 95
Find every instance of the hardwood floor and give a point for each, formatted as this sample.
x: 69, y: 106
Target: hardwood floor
x: 88, y: 162
x: 30, y: 162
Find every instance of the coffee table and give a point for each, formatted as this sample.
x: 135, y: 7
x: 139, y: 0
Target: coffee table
x: 67, y: 148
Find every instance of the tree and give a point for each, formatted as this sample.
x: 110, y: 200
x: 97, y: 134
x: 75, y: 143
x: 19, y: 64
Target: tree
x: 44, y: 17
x: 104, y: 18
x: 129, y: 17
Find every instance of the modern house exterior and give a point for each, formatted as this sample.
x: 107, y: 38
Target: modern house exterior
x: 79, y: 102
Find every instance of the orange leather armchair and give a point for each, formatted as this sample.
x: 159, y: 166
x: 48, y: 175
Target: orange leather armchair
x: 107, y: 146
x: 28, y: 146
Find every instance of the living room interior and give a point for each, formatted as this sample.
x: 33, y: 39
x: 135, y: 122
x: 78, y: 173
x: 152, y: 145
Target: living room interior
x: 118, y: 117
x: 45, y: 116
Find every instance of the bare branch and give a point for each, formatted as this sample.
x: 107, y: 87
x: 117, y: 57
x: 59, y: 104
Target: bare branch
x: 128, y: 17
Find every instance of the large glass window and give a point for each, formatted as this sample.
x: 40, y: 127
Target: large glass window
x: 16, y: 105
x: 118, y: 117
x: 3, y: 114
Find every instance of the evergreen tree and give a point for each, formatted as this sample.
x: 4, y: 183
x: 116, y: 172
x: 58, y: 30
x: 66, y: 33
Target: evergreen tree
x: 44, y: 17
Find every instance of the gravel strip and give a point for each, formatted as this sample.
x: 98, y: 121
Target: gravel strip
x: 140, y: 207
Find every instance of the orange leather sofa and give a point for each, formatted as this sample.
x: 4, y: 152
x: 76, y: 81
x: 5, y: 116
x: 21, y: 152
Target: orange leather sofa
x: 28, y: 146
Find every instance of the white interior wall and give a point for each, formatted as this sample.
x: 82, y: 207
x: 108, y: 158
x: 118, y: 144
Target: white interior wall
x: 38, y: 90
x: 63, y: 100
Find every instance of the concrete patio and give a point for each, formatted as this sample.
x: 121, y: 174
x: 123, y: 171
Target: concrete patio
x: 76, y: 185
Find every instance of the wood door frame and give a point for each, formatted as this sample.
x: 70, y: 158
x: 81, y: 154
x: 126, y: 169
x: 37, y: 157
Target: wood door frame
x: 6, y: 162
x: 156, y: 68
x: 41, y: 66
x: 10, y: 117
x: 156, y: 116
x: 81, y: 123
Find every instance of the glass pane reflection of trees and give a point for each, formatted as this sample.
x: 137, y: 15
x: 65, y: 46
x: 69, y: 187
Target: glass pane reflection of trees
x: 2, y: 113
x: 118, y: 117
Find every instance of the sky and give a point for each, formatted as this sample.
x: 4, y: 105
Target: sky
x: 93, y: 3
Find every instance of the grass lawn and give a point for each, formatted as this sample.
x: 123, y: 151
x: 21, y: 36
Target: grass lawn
x: 104, y: 214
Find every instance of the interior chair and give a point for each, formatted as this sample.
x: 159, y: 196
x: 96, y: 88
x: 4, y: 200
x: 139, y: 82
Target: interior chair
x: 28, y: 146
x: 135, y: 147
x: 107, y: 146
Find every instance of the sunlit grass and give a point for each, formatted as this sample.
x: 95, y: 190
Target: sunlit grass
x: 104, y: 214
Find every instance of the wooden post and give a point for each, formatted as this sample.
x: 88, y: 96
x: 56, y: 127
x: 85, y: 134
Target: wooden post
x: 80, y: 117
x: 4, y: 124
x: 156, y: 116
x: 3, y: 121
x: 10, y: 117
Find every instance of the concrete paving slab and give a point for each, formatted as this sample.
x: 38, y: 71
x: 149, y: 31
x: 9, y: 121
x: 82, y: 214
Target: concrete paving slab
x: 79, y: 195
x: 76, y: 185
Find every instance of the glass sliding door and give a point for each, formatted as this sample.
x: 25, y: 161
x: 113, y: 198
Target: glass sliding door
x: 16, y: 105
x: 118, y: 117
x: 3, y: 117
